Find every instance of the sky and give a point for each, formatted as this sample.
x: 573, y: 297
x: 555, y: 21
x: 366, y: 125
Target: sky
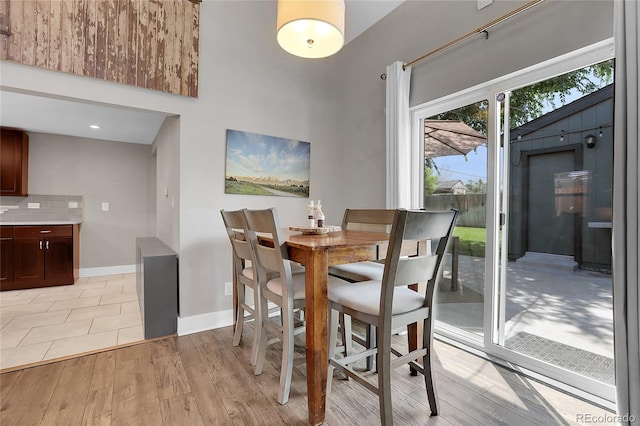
x: 454, y: 167
x: 253, y: 155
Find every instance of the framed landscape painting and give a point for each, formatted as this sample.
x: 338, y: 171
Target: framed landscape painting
x: 266, y: 165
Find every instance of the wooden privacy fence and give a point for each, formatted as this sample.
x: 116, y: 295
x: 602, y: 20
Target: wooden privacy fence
x: 472, y: 207
x: 146, y: 43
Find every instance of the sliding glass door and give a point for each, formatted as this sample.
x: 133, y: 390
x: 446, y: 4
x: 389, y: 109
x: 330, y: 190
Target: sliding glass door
x: 528, y: 161
x: 555, y: 266
x: 455, y: 176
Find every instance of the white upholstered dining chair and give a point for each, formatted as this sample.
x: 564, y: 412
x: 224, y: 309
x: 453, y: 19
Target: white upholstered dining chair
x: 388, y: 304
x: 280, y: 286
x: 244, y: 276
x: 373, y: 220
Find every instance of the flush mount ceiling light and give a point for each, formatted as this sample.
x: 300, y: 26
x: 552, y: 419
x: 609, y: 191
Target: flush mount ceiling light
x: 311, y: 28
x: 94, y: 126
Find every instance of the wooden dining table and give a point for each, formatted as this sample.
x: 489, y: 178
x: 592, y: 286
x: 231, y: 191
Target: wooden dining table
x: 317, y: 253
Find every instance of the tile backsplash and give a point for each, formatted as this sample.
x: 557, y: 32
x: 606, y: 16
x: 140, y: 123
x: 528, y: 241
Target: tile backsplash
x: 34, y: 208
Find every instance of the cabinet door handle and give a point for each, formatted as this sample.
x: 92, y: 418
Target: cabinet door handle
x: 40, y: 244
x: 47, y: 245
x: 45, y: 232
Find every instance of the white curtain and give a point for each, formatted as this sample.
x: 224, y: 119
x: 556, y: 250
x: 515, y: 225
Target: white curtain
x: 398, y: 137
x: 625, y: 220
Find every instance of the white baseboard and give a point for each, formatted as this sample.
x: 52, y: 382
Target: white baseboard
x: 204, y: 322
x: 107, y: 270
x: 210, y: 321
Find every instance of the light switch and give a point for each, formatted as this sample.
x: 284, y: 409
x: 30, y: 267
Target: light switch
x: 73, y: 204
x: 105, y: 206
x: 33, y: 205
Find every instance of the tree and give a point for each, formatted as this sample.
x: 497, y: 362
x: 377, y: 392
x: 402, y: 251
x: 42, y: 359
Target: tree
x: 476, y: 186
x: 430, y: 179
x: 528, y: 103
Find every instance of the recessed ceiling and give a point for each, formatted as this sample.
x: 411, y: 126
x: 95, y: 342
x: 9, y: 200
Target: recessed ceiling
x: 64, y: 117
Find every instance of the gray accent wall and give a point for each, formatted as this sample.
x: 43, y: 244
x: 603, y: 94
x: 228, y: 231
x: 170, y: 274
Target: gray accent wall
x: 337, y: 104
x: 99, y: 171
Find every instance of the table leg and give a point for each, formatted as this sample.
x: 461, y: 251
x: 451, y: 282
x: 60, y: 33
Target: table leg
x: 316, y: 334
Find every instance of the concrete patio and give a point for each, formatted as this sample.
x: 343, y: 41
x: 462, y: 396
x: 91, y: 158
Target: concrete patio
x: 553, y: 312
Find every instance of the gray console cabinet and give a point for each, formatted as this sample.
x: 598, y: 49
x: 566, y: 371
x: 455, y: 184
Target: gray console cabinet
x: 157, y: 287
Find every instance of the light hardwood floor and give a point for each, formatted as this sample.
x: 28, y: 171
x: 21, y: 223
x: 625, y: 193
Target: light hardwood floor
x: 201, y: 379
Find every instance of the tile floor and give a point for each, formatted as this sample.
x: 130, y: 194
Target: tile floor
x: 45, y: 323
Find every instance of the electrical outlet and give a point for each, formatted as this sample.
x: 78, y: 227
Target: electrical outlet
x: 105, y: 206
x: 73, y: 204
x: 228, y: 289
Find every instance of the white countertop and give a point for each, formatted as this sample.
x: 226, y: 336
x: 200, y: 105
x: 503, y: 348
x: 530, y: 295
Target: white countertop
x: 41, y: 222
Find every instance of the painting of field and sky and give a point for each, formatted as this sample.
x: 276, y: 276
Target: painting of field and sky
x: 266, y: 165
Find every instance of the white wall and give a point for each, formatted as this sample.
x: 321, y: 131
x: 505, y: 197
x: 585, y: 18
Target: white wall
x: 248, y: 83
x: 167, y: 183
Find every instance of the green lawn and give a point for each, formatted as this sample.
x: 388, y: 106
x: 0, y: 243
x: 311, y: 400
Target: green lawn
x: 472, y: 240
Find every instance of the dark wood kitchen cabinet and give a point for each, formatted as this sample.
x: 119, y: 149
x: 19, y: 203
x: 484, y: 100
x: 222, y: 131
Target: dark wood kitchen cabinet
x: 14, y: 163
x: 44, y: 256
x: 6, y: 256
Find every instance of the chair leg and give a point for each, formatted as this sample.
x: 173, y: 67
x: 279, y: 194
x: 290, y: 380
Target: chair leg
x: 383, y: 365
x: 262, y: 339
x: 239, y: 316
x: 333, y: 340
x: 257, y: 326
x: 427, y: 363
x: 370, y: 339
x: 346, y: 333
x: 287, y: 357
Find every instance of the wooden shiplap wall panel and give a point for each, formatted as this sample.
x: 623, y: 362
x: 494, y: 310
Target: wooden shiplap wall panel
x: 43, y: 11
x: 78, y: 37
x: 120, y: 42
x: 4, y: 28
x: 146, y: 43
x: 66, y: 36
x: 53, y: 54
x: 13, y: 42
x: 28, y: 44
x: 170, y: 23
x: 160, y: 42
x: 141, y: 52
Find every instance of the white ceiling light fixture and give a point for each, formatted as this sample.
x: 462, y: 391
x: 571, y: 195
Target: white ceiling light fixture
x: 311, y: 28
x: 94, y: 126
